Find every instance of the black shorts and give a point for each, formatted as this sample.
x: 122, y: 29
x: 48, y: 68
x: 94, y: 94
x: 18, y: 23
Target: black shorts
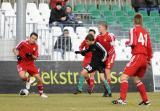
x: 93, y: 66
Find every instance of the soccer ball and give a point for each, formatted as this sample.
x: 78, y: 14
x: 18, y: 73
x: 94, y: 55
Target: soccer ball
x: 24, y: 92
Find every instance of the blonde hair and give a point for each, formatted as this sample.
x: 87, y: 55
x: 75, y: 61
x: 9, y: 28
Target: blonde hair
x: 138, y: 19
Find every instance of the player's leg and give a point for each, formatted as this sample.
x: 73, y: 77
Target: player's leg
x: 40, y: 85
x: 105, y: 82
x: 141, y: 87
x: 129, y: 71
x: 22, y: 72
x: 109, y: 64
x: 83, y: 74
x: 91, y: 83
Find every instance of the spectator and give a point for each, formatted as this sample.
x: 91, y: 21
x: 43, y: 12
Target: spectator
x: 57, y: 16
x: 63, y: 43
x: 54, y: 2
x: 71, y: 18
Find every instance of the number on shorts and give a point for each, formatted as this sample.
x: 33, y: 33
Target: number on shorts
x: 89, y: 68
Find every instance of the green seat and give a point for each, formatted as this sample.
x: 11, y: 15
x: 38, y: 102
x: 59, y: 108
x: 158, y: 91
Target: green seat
x: 128, y: 7
x: 143, y: 12
x: 125, y: 25
x: 107, y: 14
x: 79, y: 8
x: 131, y: 13
x: 154, y: 13
x: 111, y: 20
x: 115, y: 8
x: 157, y: 20
x: 119, y: 13
x: 123, y: 19
x: 91, y: 8
x: 95, y: 15
x: 147, y: 19
x: 103, y: 7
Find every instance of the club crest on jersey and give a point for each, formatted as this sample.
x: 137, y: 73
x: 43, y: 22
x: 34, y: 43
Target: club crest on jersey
x: 105, y: 40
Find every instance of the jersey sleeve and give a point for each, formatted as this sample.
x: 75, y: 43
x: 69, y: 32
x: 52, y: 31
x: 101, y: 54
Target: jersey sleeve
x: 20, y: 45
x: 132, y: 38
x: 82, y: 45
x: 112, y: 39
x: 36, y: 53
x: 149, y: 48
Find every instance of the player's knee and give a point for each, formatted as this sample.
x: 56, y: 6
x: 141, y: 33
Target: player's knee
x: 137, y: 80
x: 124, y: 77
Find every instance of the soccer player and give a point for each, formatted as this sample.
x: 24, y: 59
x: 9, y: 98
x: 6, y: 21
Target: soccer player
x: 27, y: 52
x: 99, y: 55
x: 107, y: 40
x: 140, y: 44
x: 86, y: 61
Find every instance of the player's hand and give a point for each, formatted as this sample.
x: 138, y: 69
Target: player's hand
x: 28, y: 55
x: 77, y: 52
x: 83, y: 53
x: 19, y: 58
x: 127, y: 43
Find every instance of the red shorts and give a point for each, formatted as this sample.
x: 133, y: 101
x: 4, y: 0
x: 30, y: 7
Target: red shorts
x: 137, y: 66
x: 31, y: 68
x: 110, y: 61
x: 86, y: 61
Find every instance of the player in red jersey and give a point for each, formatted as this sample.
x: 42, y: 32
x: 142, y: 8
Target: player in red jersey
x: 140, y: 44
x: 27, y: 52
x: 108, y: 41
x: 86, y: 61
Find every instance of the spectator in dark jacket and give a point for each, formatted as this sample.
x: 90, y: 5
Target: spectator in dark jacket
x: 53, y: 3
x: 57, y: 16
x: 71, y: 18
x: 63, y: 43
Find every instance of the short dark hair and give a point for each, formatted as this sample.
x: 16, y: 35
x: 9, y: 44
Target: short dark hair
x: 58, y: 3
x: 35, y: 34
x: 92, y: 30
x: 90, y: 37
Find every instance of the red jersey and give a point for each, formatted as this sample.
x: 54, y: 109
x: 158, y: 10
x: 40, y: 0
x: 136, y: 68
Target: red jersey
x: 23, y: 48
x: 53, y: 2
x: 107, y: 41
x: 140, y: 41
x: 84, y: 45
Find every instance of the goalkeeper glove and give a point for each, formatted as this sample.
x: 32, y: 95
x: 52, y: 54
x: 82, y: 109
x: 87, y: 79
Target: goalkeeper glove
x: 19, y: 58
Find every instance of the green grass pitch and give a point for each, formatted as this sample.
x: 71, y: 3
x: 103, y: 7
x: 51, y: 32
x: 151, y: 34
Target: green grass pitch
x: 70, y: 102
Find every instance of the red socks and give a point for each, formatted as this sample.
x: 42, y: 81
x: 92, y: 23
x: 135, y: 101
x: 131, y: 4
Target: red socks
x: 123, y: 89
x: 142, y: 91
x: 91, y: 83
x: 40, y: 89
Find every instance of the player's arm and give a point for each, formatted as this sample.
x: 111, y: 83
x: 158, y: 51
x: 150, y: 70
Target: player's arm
x: 83, y: 52
x: 16, y: 51
x: 82, y: 45
x: 33, y: 56
x: 132, y: 38
x: 112, y: 39
x: 149, y: 49
x: 104, y: 52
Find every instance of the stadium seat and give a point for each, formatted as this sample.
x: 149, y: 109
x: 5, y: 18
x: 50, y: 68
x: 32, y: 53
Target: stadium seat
x: 154, y: 13
x: 79, y: 8
x: 131, y: 13
x: 6, y: 6
x: 95, y: 15
x: 56, y: 31
x: 156, y: 63
x: 111, y: 20
x: 44, y: 10
x: 91, y: 8
x: 115, y: 8
x: 119, y: 13
x: 107, y: 13
x: 81, y: 32
x: 103, y: 7
x: 143, y: 12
